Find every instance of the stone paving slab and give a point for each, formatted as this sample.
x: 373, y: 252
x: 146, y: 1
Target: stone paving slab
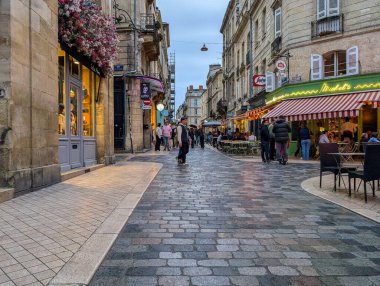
x: 218, y: 221
x: 44, y: 234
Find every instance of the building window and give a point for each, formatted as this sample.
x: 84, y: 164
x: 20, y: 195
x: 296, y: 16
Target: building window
x: 195, y: 102
x: 62, y: 108
x: 335, y: 64
x: 327, y: 8
x: 263, y: 23
x: 256, y: 33
x: 264, y: 66
x: 88, y: 102
x: 277, y: 22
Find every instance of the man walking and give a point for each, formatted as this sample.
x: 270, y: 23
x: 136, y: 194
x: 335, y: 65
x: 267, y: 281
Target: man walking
x: 264, y: 135
x: 183, y: 140
x: 158, y: 137
x: 272, y: 150
x: 201, y: 136
x: 281, y: 131
x: 167, y: 133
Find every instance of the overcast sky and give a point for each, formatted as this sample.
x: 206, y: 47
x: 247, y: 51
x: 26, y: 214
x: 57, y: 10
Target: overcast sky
x: 192, y: 23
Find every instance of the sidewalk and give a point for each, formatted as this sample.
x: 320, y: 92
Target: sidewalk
x: 65, y: 230
x: 356, y: 203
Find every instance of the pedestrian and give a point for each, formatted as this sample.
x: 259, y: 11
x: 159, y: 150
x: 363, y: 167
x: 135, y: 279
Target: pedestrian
x: 192, y: 136
x: 271, y: 141
x: 265, y: 137
x: 166, y: 133
x: 229, y: 133
x: 201, y: 136
x: 304, y: 135
x: 183, y: 140
x: 197, y: 137
x: 174, y: 134
x: 281, y: 131
x: 158, y: 137
x: 209, y: 138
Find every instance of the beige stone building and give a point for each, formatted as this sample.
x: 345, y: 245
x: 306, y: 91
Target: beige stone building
x: 204, y: 107
x: 55, y: 110
x: 303, y: 48
x: 193, y: 105
x: 143, y: 61
x: 214, y: 84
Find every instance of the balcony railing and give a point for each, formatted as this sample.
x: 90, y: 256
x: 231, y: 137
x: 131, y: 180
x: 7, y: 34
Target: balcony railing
x: 277, y: 44
x: 147, y: 22
x: 327, y: 26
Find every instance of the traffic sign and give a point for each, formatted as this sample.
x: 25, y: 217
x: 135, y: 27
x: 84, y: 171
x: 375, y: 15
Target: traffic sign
x: 281, y: 65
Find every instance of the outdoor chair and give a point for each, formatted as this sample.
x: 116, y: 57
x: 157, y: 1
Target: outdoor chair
x: 371, y: 171
x: 331, y: 163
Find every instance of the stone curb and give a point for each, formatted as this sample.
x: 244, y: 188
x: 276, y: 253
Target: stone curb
x: 354, y: 206
x: 79, y: 270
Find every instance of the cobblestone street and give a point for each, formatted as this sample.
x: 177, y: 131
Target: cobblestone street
x: 218, y: 221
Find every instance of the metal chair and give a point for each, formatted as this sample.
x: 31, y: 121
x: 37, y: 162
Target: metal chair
x: 330, y: 163
x: 371, y: 171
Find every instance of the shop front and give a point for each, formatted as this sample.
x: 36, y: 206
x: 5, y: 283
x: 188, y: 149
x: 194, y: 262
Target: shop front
x: 77, y: 94
x: 329, y: 105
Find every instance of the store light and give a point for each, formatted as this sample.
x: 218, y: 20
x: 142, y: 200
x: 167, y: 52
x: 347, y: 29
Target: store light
x: 160, y: 107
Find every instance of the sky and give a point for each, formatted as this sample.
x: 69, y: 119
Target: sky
x: 192, y: 23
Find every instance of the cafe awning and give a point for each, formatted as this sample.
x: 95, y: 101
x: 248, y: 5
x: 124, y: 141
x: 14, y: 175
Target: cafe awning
x: 346, y: 105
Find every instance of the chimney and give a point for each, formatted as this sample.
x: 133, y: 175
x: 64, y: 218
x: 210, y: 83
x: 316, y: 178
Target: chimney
x: 191, y: 88
x: 201, y: 87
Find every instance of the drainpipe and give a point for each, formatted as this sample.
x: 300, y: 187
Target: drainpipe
x: 31, y: 94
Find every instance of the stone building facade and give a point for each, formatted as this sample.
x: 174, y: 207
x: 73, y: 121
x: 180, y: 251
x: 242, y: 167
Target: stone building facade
x: 29, y: 95
x: 295, y: 42
x: 144, y: 43
x: 215, y: 109
x: 193, y: 105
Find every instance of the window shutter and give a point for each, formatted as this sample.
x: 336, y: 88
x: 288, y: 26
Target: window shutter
x: 316, y: 67
x: 277, y: 22
x: 352, y: 60
x: 321, y: 9
x: 269, y: 81
x: 333, y: 8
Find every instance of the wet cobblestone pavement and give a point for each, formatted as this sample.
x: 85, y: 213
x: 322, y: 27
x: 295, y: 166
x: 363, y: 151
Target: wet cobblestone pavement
x: 219, y: 221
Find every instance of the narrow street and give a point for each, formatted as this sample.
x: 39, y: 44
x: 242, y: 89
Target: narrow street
x: 218, y: 221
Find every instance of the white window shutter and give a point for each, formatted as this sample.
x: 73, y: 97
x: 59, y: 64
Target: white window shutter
x: 333, y: 8
x: 352, y: 60
x: 269, y: 81
x: 316, y: 67
x: 321, y: 9
x: 277, y: 22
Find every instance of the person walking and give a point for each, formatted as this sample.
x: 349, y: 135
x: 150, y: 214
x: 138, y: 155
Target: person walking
x: 304, y: 136
x: 166, y: 133
x: 158, y: 137
x: 272, y: 149
x: 201, y: 136
x: 174, y: 135
x: 192, y: 135
x: 264, y: 135
x: 281, y: 131
x: 183, y: 140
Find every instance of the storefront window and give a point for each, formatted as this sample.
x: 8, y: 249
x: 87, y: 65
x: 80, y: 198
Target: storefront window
x: 74, y: 92
x: 61, y: 93
x: 88, y: 102
x: 74, y: 67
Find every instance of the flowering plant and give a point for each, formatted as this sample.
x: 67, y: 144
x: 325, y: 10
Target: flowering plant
x: 83, y: 25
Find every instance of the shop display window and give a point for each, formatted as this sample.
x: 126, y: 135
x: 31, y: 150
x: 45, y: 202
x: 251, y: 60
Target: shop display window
x: 74, y: 67
x: 62, y: 110
x: 88, y: 102
x: 74, y: 93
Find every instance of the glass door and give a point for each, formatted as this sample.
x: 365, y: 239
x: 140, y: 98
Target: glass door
x: 75, y: 125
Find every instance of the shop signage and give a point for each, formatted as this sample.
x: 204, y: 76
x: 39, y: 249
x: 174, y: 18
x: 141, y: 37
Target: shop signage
x: 146, y: 104
x: 145, y: 90
x: 259, y: 80
x: 257, y: 101
x: 118, y: 67
x: 281, y: 65
x: 326, y: 87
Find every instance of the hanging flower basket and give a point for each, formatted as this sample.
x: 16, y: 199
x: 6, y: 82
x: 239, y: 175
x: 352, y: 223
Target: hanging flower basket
x: 84, y: 28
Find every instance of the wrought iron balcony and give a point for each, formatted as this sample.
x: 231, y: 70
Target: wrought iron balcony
x: 327, y: 26
x: 277, y: 44
x: 147, y: 22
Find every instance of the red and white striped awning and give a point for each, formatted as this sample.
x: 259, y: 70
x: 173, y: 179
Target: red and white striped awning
x: 336, y: 106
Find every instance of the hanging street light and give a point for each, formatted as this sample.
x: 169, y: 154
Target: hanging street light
x: 204, y: 48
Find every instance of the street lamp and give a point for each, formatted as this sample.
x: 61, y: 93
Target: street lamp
x: 160, y: 107
x: 204, y: 48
